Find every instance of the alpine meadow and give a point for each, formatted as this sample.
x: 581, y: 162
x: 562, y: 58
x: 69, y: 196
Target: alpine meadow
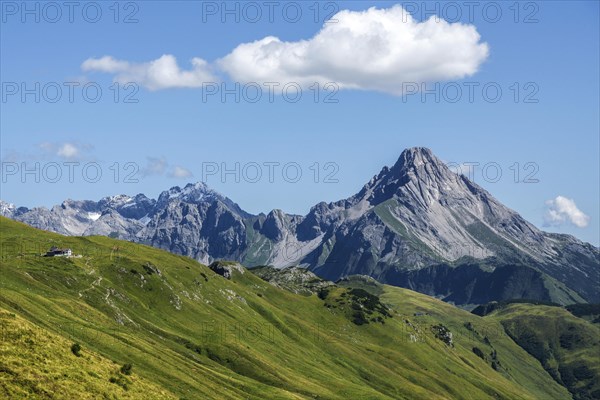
x: 337, y: 200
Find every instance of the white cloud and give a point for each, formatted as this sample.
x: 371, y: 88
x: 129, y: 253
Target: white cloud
x: 180, y: 172
x: 375, y: 49
x: 162, y: 73
x: 563, y: 210
x: 154, y: 166
x: 66, y: 150
x: 105, y: 64
x: 47, y: 147
x: 159, y: 166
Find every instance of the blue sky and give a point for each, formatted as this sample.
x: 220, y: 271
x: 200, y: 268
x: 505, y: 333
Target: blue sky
x: 175, y: 133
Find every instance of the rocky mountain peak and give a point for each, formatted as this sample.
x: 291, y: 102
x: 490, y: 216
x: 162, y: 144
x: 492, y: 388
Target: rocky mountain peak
x: 418, y: 174
x: 415, y: 156
x: 419, y: 163
x: 274, y: 225
x: 198, y: 193
x: 192, y: 192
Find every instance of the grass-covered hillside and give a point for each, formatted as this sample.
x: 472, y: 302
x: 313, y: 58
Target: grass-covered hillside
x: 189, y: 332
x: 38, y: 363
x: 567, y: 346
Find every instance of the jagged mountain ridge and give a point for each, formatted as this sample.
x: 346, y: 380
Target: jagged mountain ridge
x: 410, y: 225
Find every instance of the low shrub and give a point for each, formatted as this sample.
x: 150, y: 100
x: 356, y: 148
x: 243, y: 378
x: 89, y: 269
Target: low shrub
x: 76, y: 349
x: 126, y: 369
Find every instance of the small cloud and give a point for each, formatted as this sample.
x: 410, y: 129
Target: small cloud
x: 162, y: 73
x: 66, y: 150
x: 180, y: 172
x: 154, y: 166
x: 159, y: 166
x: 47, y: 147
x: 562, y: 210
x: 105, y: 64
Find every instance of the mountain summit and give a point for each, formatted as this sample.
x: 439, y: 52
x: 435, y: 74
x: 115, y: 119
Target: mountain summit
x: 417, y: 161
x: 418, y: 174
x: 417, y: 225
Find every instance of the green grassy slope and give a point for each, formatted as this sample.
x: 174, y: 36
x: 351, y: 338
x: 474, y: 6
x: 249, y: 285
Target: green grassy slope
x: 568, y: 347
x: 196, y: 335
x: 39, y: 364
x: 512, y: 363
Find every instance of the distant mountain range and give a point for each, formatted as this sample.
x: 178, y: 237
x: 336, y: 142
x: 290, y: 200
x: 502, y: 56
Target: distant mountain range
x: 416, y: 225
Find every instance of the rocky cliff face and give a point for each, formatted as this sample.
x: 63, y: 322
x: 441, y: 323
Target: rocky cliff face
x: 416, y: 224
x: 205, y: 230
